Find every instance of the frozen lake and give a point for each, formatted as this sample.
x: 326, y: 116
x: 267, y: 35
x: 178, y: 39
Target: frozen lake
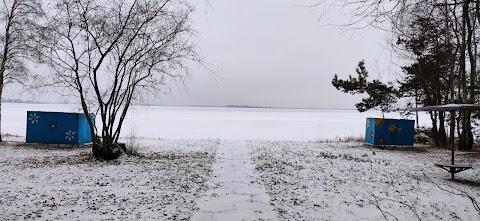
x: 160, y: 122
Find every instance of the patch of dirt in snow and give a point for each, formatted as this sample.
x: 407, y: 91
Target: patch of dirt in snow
x: 60, y: 184
x: 348, y: 181
x: 12, y: 137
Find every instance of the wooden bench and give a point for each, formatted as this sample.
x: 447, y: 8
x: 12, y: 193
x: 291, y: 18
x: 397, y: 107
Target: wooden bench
x: 454, y: 168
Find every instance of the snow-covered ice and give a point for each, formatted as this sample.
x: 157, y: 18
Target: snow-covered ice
x: 156, y: 122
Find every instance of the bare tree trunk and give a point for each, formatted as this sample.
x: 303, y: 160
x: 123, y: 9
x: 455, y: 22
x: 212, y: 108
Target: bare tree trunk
x: 466, y: 140
x: 2, y: 71
x: 416, y: 105
x: 442, y: 135
x: 463, y: 139
x: 433, y: 117
x: 1, y: 92
x: 3, y: 62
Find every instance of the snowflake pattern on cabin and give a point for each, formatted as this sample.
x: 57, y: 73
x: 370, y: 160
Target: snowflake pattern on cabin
x: 34, y: 118
x: 52, y: 126
x: 57, y: 127
x: 70, y: 135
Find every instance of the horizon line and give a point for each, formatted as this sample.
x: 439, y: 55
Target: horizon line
x: 200, y: 105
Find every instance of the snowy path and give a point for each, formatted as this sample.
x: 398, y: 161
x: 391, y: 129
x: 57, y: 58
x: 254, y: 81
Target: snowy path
x: 234, y: 193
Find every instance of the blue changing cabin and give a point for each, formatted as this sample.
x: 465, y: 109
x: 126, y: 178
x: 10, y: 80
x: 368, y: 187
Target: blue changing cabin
x: 58, y: 128
x: 382, y: 132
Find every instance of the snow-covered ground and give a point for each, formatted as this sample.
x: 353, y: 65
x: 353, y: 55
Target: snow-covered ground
x: 186, y: 157
x: 350, y: 181
x: 51, y: 183
x: 174, y: 180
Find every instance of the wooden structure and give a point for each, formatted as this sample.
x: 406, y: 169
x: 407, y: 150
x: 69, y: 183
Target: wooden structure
x: 393, y: 132
x: 58, y: 128
x: 451, y: 166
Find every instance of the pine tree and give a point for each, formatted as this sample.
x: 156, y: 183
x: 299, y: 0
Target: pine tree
x: 379, y: 95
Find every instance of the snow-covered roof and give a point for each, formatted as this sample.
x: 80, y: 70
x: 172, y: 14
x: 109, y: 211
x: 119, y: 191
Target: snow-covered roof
x: 448, y: 107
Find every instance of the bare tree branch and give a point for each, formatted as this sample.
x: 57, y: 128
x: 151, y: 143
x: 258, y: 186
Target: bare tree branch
x: 462, y: 193
x: 17, y: 41
x: 117, y: 50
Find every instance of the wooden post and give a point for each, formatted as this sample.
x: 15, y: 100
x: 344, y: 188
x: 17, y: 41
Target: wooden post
x: 452, y: 134
x: 452, y: 140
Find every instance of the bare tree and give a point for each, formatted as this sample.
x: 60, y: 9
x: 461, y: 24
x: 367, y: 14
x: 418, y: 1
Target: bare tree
x: 17, y: 40
x: 109, y: 52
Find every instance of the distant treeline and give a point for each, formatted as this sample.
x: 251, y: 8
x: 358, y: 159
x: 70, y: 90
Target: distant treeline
x: 244, y: 106
x: 9, y: 100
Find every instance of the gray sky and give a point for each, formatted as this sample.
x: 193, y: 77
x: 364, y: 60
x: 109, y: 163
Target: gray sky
x: 271, y: 53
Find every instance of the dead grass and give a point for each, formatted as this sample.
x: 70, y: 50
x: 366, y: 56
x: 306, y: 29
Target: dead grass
x: 10, y: 135
x: 48, y: 146
x: 348, y: 139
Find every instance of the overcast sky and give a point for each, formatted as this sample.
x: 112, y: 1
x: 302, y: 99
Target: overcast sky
x: 274, y: 53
